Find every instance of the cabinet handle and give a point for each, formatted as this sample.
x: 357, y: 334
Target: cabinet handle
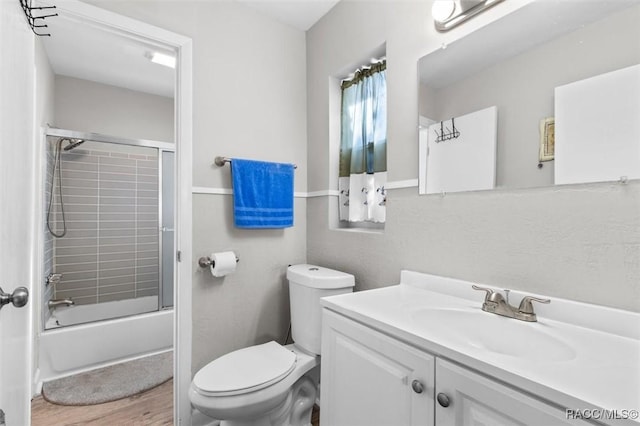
x: 443, y: 400
x: 417, y: 386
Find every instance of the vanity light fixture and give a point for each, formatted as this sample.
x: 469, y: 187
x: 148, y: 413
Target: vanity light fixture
x: 442, y: 10
x: 447, y: 14
x: 162, y: 59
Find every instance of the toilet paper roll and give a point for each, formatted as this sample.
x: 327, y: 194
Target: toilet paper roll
x: 223, y: 263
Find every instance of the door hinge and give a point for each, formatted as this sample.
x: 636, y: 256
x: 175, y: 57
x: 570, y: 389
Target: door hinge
x: 179, y: 256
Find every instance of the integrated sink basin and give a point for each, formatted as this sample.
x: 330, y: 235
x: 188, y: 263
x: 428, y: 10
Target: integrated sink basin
x: 500, y: 335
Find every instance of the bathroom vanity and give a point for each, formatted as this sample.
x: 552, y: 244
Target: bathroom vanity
x: 424, y: 353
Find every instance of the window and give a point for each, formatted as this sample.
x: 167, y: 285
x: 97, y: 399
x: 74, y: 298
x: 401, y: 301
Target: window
x: 363, y: 145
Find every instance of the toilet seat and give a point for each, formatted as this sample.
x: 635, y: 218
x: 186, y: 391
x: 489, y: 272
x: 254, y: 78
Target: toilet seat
x: 245, y: 370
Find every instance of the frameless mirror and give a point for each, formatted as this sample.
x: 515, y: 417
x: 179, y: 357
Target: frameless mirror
x: 515, y: 64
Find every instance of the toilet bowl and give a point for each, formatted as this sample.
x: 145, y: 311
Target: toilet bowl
x: 271, y: 384
x: 243, y: 397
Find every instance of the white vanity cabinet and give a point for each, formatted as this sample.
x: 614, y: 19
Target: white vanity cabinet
x: 424, y: 352
x: 475, y: 400
x: 371, y: 379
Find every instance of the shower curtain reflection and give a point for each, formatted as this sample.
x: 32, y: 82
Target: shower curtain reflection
x: 107, y: 201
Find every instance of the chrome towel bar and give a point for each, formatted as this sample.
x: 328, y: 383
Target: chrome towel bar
x: 221, y: 161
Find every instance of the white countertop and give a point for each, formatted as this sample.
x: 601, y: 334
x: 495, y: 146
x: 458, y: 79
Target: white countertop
x: 597, y: 364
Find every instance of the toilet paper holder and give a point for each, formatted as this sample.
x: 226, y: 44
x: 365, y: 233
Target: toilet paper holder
x: 206, y: 261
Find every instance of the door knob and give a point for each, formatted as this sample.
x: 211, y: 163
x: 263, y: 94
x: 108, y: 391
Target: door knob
x: 19, y: 297
x: 417, y: 386
x: 443, y: 399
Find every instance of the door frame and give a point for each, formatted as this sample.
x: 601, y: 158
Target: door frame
x: 183, y: 120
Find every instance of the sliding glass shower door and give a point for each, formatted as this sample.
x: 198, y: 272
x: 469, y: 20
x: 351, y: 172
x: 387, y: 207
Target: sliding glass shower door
x: 109, y: 236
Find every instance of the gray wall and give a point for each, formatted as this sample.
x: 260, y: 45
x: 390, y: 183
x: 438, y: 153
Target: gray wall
x: 87, y: 106
x: 249, y: 101
x: 580, y: 242
x: 523, y: 90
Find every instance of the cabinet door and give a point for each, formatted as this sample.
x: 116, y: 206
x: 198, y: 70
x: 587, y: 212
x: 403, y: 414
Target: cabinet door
x: 371, y: 379
x: 475, y: 400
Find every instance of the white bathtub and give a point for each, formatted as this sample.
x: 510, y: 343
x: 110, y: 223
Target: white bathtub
x: 62, y: 316
x: 69, y: 350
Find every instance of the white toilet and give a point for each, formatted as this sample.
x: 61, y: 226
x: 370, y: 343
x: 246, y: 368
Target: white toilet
x: 271, y: 384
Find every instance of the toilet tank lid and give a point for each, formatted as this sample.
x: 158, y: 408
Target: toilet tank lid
x: 319, y: 277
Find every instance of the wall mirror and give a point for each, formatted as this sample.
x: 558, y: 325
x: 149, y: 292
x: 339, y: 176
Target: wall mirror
x: 515, y: 64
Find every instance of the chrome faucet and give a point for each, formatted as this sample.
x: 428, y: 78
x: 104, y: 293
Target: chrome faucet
x: 58, y: 302
x: 495, y: 303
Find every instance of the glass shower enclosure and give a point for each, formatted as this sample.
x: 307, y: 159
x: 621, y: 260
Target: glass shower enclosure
x: 109, y: 227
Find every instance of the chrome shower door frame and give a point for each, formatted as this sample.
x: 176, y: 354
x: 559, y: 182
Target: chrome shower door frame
x: 161, y: 147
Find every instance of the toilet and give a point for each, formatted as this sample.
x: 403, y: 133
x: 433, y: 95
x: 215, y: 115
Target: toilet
x: 271, y: 384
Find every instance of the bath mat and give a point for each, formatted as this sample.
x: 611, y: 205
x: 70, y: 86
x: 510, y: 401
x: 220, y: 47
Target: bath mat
x: 110, y: 383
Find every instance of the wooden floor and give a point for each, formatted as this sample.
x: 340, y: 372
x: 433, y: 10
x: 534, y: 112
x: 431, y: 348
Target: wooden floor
x: 150, y: 408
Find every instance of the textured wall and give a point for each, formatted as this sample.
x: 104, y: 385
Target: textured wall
x: 565, y: 242
x: 251, y: 305
x: 580, y: 242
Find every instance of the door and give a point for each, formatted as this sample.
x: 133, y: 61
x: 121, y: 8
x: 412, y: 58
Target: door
x: 465, y: 398
x: 17, y: 212
x: 371, y: 379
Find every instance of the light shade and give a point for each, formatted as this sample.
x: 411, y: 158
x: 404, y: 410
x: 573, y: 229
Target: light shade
x: 450, y: 13
x: 162, y: 59
x: 442, y: 10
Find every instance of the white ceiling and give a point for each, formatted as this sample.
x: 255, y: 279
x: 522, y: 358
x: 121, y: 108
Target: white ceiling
x: 81, y: 50
x: 300, y: 14
x: 85, y: 51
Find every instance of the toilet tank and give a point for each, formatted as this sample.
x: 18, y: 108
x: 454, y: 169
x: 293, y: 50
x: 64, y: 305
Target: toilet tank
x: 307, y: 284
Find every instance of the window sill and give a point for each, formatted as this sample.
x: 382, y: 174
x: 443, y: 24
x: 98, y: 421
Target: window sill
x: 362, y: 230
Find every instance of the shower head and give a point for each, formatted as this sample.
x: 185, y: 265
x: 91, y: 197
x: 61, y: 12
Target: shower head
x: 73, y: 143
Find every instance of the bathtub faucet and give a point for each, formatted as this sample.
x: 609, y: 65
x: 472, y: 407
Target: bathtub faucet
x: 58, y: 302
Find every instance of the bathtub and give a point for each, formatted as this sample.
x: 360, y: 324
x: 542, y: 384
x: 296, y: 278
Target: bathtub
x: 64, y: 351
x: 71, y: 315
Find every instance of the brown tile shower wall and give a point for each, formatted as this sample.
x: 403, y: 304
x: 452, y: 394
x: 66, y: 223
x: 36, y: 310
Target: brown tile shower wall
x: 110, y: 251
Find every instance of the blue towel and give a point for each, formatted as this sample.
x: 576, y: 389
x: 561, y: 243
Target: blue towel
x: 262, y: 194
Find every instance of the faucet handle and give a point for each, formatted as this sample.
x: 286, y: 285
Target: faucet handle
x: 489, y: 291
x: 525, y: 305
x: 53, y: 278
